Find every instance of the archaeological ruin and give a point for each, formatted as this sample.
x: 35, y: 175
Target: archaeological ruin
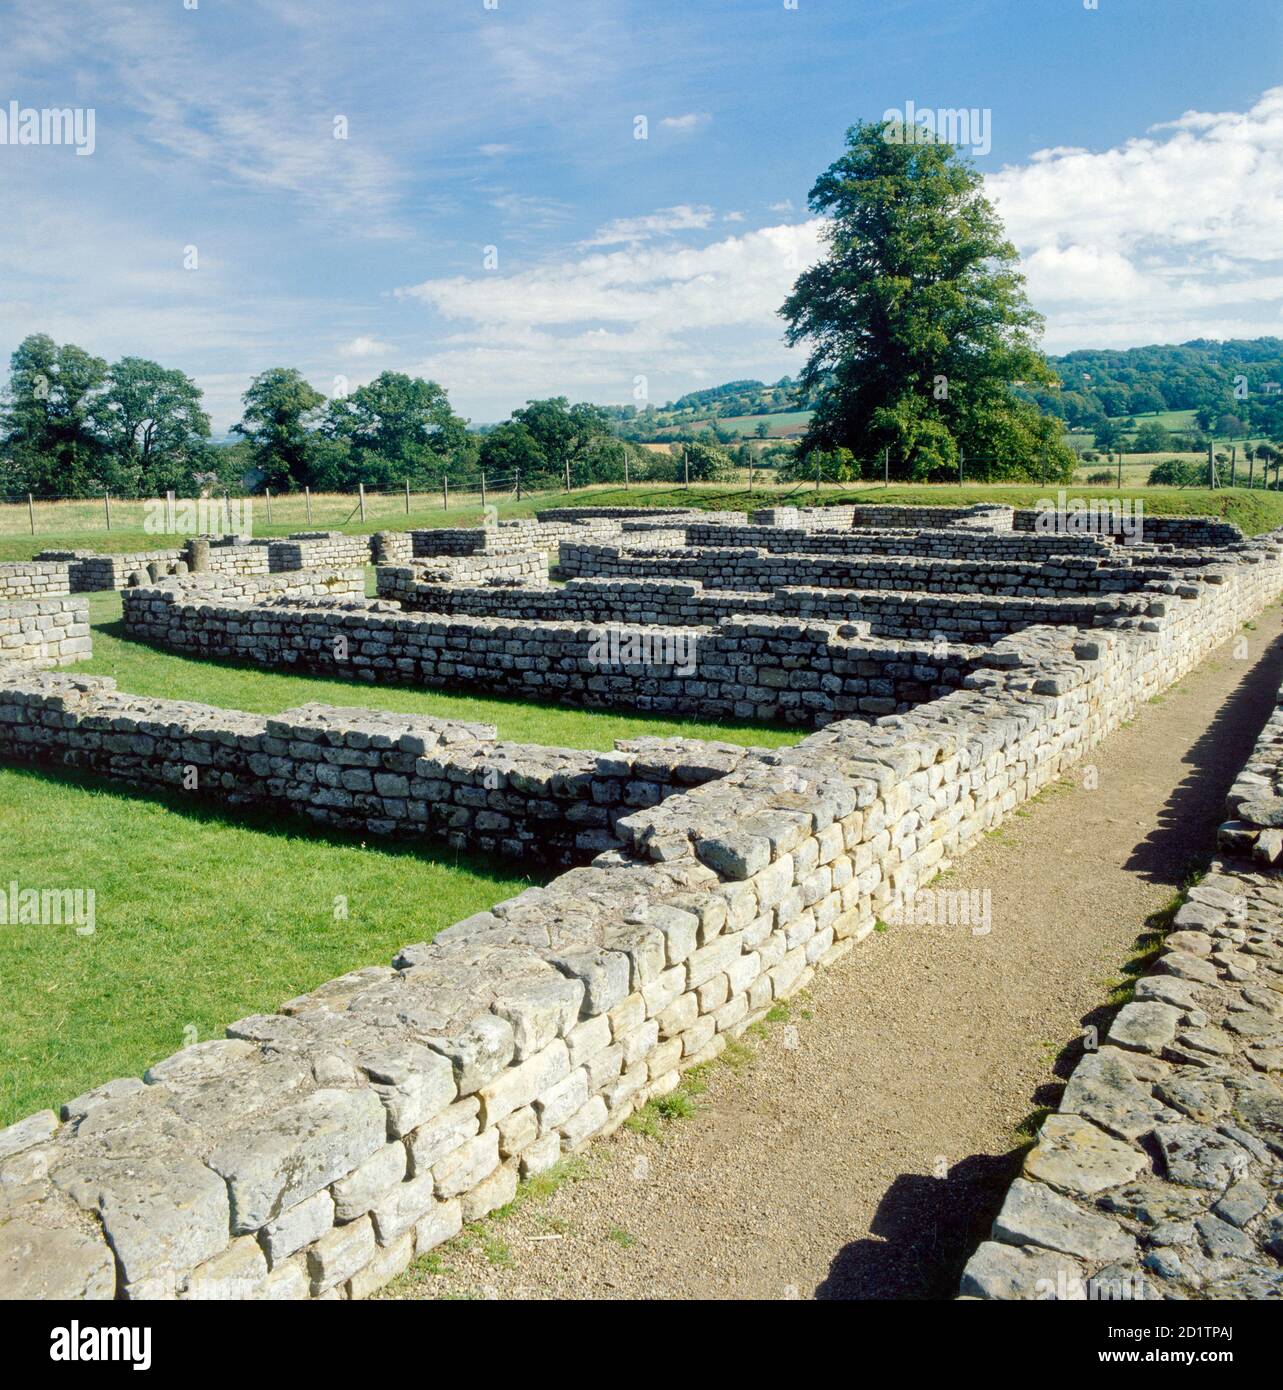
x: 941, y: 665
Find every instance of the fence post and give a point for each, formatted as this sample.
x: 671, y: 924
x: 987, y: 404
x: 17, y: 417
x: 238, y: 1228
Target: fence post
x: 886, y: 467
x: 31, y: 513
x: 267, y: 492
x: 518, y: 484
x: 1120, y: 470
x: 1233, y: 464
x: 407, y: 497
x: 445, y: 492
x: 483, y: 492
x: 686, y: 468
x: 626, y: 482
x: 106, y: 503
x: 307, y: 497
x: 567, y: 475
x: 960, y: 459
x: 360, y: 493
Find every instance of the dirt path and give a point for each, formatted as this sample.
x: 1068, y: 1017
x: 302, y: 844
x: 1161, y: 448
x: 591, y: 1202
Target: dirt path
x: 861, y: 1147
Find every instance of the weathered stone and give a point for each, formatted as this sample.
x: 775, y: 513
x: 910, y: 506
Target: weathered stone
x: 1074, y: 1156
x: 1035, y: 1215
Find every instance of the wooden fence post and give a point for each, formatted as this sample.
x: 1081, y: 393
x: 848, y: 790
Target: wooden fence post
x: 360, y: 492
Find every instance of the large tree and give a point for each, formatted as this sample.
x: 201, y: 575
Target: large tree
x: 152, y: 426
x: 917, y: 318
x: 281, y: 410
x: 400, y: 427
x: 46, y: 425
x: 565, y: 433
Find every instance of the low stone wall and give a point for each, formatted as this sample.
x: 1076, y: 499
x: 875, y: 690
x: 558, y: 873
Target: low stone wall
x: 318, y: 550
x: 981, y: 516
x: 34, y: 579
x: 750, y: 568
x: 1161, y: 1174
x: 1197, y: 531
x: 316, y: 1151
x: 91, y: 572
x: 970, y: 618
x: 414, y: 584
x: 43, y: 632
x: 295, y: 585
x: 764, y: 669
x: 382, y: 774
x: 938, y: 544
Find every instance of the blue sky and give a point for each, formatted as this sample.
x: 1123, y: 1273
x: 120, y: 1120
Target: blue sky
x: 491, y: 220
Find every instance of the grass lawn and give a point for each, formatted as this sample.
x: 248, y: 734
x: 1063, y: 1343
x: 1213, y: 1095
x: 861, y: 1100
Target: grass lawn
x: 144, y: 670
x: 80, y: 525
x: 200, y: 918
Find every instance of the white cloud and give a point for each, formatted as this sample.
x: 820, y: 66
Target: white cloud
x: 364, y: 346
x: 785, y: 206
x: 588, y: 326
x: 1165, y: 237
x: 692, y: 120
x: 664, y: 222
x: 494, y: 150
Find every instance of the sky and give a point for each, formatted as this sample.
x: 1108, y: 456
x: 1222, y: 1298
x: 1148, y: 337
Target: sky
x: 604, y: 199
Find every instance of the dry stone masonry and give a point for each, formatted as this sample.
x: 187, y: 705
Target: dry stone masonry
x: 314, y: 1152
x: 1161, y: 1174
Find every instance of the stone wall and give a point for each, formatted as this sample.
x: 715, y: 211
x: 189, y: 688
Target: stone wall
x: 382, y: 774
x: 1160, y: 1176
x: 972, y: 618
x: 41, y: 632
x: 750, y: 568
x: 1196, y: 531
x: 316, y: 1151
x: 415, y: 584
x: 91, y: 572
x: 982, y: 516
x: 318, y: 550
x: 764, y: 669
x: 34, y: 579
x: 937, y: 543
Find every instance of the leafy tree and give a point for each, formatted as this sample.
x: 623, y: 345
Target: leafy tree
x: 399, y: 427
x: 281, y: 410
x: 706, y: 462
x: 565, y: 433
x: 1176, y: 473
x: 1151, y: 438
x: 1109, y: 434
x: 832, y: 465
x: 917, y: 317
x: 46, y: 425
x: 152, y: 426
x: 511, y: 448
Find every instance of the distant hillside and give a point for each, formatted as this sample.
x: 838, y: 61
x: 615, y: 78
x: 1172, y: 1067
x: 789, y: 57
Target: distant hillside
x: 1196, y: 387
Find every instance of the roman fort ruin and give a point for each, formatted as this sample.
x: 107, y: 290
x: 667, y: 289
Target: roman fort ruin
x: 943, y: 665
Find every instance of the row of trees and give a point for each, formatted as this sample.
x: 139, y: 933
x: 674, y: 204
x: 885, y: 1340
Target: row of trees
x: 72, y: 424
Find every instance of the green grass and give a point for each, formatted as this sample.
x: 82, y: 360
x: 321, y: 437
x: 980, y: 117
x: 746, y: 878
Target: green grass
x: 200, y: 918
x: 144, y: 670
x: 81, y: 524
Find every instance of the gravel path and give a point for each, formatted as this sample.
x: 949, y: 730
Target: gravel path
x: 861, y: 1146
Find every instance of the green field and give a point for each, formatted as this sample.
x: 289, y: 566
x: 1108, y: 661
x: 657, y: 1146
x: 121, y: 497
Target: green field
x: 202, y: 915
x: 80, y: 525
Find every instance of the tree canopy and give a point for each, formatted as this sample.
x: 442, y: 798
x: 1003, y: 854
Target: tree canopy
x: 917, y: 318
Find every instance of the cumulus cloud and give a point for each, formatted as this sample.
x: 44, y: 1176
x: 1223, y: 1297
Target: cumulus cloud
x: 1168, y: 236
x: 592, y: 324
x: 662, y: 223
x: 364, y: 346
x: 692, y: 120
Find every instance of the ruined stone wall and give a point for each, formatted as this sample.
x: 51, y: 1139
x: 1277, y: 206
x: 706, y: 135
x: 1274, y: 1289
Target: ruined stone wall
x: 43, y: 632
x: 981, y: 516
x: 318, y: 550
x: 941, y: 544
x: 1159, y: 1174
x: 34, y: 579
x: 91, y: 572
x: 751, y: 568
x: 763, y: 669
x: 420, y: 778
x: 316, y: 1151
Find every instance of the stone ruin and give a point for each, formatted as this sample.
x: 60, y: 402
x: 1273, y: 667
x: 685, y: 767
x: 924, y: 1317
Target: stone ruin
x: 946, y: 670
